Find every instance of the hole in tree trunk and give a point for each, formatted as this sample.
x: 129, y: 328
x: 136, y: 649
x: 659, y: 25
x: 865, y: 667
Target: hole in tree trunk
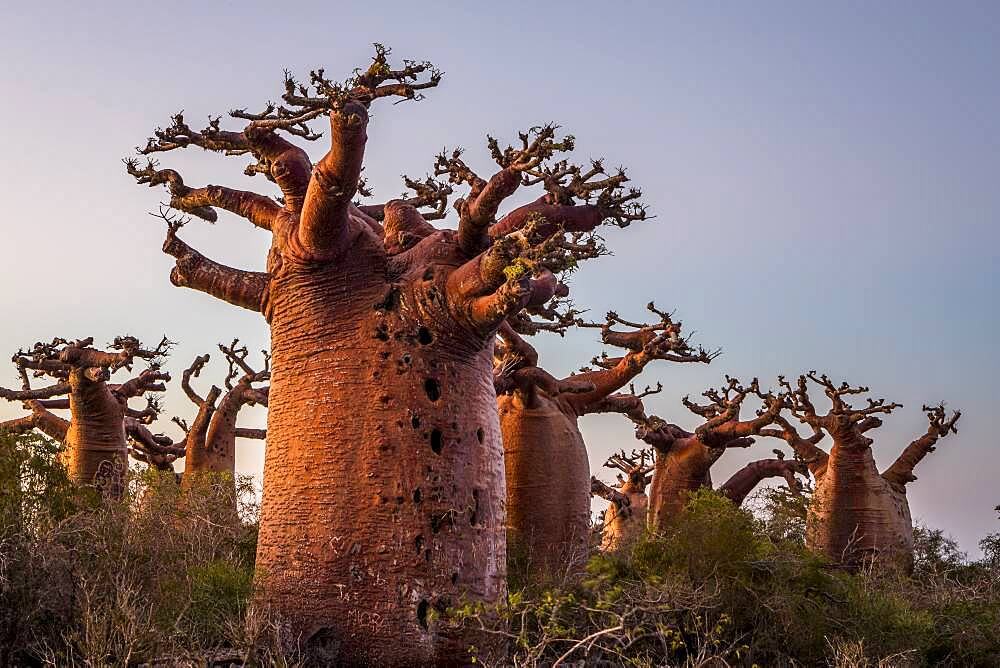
x: 417, y: 495
x: 424, y: 336
x: 415, y: 421
x: 432, y: 388
x: 436, y: 441
x: 439, y: 520
x: 422, y: 608
x: 474, y: 513
x: 389, y: 300
x: 418, y: 542
x: 480, y: 435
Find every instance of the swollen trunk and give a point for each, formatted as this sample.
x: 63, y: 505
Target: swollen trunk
x: 384, y: 479
x: 678, y: 473
x: 548, y: 482
x: 622, y: 526
x: 94, y: 450
x: 855, y: 514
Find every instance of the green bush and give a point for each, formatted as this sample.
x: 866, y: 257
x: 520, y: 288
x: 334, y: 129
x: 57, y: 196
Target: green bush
x: 720, y: 587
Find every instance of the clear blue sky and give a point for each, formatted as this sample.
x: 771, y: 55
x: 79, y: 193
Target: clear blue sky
x: 825, y: 181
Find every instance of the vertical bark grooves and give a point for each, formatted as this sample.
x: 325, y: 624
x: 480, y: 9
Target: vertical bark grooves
x: 548, y: 482
x: 855, y: 514
x: 95, y: 450
x: 365, y: 528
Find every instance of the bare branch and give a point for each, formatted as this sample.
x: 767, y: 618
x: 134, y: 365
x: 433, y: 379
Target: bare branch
x: 258, y: 209
x: 939, y: 426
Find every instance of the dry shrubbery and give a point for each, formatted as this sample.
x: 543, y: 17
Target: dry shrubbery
x: 168, y: 575
x: 89, y: 581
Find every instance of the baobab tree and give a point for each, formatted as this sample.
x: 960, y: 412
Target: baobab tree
x: 209, y: 445
x: 625, y: 518
x: 94, y: 446
x: 383, y: 476
x: 856, y: 513
x: 548, y: 471
x: 684, y: 459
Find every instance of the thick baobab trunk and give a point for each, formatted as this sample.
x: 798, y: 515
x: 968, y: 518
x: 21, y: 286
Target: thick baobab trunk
x: 623, y: 525
x: 856, y: 514
x: 548, y: 483
x: 677, y: 473
x: 625, y: 518
x: 94, y: 442
x: 684, y: 459
x: 385, y: 493
x: 95, y: 449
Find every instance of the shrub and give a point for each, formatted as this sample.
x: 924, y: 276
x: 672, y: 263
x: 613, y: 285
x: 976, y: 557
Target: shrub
x: 92, y: 581
x: 719, y: 587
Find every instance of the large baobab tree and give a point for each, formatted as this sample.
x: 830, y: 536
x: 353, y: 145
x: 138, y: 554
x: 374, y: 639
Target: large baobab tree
x: 625, y: 518
x: 94, y: 446
x: 856, y: 513
x: 209, y: 445
x: 383, y: 476
x: 548, y: 472
x: 684, y: 459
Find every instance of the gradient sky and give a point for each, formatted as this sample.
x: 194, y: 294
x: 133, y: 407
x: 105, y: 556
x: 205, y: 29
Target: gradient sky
x: 824, y: 180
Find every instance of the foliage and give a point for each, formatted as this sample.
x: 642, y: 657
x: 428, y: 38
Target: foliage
x: 91, y: 581
x: 719, y: 588
x: 167, y: 574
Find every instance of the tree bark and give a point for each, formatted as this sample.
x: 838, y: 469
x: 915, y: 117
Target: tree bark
x: 678, y: 472
x: 625, y: 520
x: 385, y: 482
x: 548, y: 482
x: 855, y: 514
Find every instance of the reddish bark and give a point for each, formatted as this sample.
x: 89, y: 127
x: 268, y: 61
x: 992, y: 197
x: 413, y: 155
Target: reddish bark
x: 684, y: 459
x: 856, y: 513
x: 548, y: 471
x: 744, y: 481
x: 94, y: 447
x: 383, y: 477
x: 625, y: 519
x: 209, y: 446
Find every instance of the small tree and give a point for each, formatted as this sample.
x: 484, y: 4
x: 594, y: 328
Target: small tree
x: 547, y: 467
x: 209, y: 445
x: 624, y: 520
x: 856, y: 512
x: 684, y: 459
x: 94, y: 446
